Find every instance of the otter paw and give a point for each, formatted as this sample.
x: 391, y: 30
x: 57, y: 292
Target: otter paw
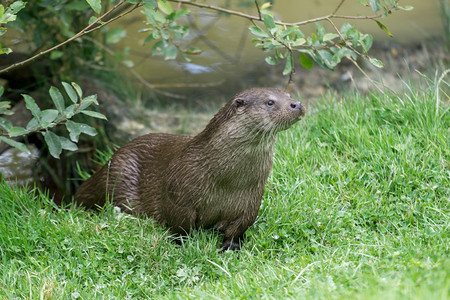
x: 230, y: 245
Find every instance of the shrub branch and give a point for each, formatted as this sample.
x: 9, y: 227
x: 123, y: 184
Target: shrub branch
x: 99, y: 23
x: 84, y: 31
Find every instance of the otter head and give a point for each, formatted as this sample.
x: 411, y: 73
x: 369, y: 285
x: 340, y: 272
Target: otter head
x: 267, y: 110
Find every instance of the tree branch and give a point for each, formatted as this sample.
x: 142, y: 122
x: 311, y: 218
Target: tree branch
x: 100, y: 23
x: 339, y: 6
x: 257, y: 8
x: 86, y: 30
x: 257, y: 18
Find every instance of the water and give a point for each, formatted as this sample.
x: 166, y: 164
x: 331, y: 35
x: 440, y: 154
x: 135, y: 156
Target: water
x: 227, y: 42
x: 17, y: 166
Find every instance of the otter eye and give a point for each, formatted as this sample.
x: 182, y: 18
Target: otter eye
x: 270, y: 102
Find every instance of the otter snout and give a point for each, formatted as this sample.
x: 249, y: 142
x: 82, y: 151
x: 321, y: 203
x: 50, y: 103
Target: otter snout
x: 296, y: 105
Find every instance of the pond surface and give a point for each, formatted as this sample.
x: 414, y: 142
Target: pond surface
x: 227, y: 41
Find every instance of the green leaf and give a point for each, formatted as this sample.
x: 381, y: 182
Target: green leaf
x: 324, y: 59
x: 339, y: 53
x: 270, y: 23
x: 115, y: 35
x: 92, y: 19
x: 376, y: 62
x: 94, y: 114
x: 193, y: 51
x: 346, y: 27
x: 74, y: 130
x: 32, y: 106
x: 320, y: 31
x: 325, y: 55
x: 66, y: 144
x: 77, y: 89
x: 330, y: 36
x: 96, y: 5
x: 15, y: 7
x: 165, y: 7
x: 70, y: 92
x: 154, y: 16
x: 57, y: 99
x: 258, y: 31
x: 181, y: 13
x: 17, y: 131
x: 87, y: 101
x: 86, y: 129
x: 306, y: 62
x: 5, y: 124
x: 48, y: 116
x: 299, y: 42
x: 33, y: 125
x: 55, y: 54
x: 170, y: 52
x: 77, y: 5
x: 15, y: 144
x: 366, y: 42
x: 53, y: 142
x: 375, y: 4
x: 2, y: 90
x: 5, y: 108
x: 151, y: 4
x: 288, y: 66
x: 128, y: 63
x: 363, y: 2
x: 158, y: 48
x: 270, y: 60
x: 383, y: 27
x: 288, y: 32
x: 165, y: 35
x: 405, y: 8
x: 5, y: 50
x: 70, y: 111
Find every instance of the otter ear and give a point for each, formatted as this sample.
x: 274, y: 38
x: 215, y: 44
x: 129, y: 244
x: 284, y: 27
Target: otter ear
x: 239, y: 102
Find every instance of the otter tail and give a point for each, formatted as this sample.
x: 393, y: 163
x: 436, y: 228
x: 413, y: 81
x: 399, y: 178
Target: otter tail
x: 94, y: 191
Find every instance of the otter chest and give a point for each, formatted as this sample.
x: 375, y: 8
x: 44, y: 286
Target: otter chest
x: 234, y: 191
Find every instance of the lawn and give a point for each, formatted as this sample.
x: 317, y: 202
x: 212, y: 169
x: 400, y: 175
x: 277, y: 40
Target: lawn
x: 356, y: 207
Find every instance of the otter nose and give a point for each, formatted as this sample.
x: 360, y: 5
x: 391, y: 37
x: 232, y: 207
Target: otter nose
x: 296, y: 105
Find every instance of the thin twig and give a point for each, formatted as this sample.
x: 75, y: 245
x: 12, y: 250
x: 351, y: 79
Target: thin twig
x: 257, y: 18
x: 252, y: 18
x: 342, y: 37
x: 257, y: 8
x: 337, y: 8
x: 115, y: 18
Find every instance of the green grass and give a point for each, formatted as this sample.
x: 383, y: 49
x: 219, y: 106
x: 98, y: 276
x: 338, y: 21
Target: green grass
x: 356, y: 208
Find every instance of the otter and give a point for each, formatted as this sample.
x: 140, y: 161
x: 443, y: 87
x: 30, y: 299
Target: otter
x: 215, y: 179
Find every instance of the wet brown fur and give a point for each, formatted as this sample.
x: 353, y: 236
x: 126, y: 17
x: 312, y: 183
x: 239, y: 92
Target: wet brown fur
x: 214, y: 179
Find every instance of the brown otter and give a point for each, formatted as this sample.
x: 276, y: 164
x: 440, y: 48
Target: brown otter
x: 214, y: 179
